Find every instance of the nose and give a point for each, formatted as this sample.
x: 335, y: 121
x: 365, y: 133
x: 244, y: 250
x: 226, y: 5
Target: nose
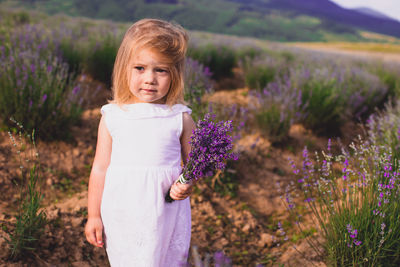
x: 150, y: 77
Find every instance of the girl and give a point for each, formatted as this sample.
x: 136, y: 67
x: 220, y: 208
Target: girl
x: 143, y: 135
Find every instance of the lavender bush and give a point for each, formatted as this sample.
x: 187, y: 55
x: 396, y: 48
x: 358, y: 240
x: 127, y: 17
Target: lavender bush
x: 383, y: 128
x: 389, y: 74
x: 101, y: 58
x: 221, y: 59
x: 211, y: 147
x: 334, y: 94
x: 258, y: 72
x: 333, y: 91
x: 355, y: 206
x: 276, y: 109
x: 35, y: 87
x: 197, y: 83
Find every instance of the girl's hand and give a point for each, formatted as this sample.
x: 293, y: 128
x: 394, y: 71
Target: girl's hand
x: 94, y: 231
x: 180, y: 191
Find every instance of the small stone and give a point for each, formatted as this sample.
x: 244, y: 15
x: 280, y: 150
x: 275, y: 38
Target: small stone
x: 222, y: 242
x: 265, y: 240
x: 246, y: 228
x: 76, y: 152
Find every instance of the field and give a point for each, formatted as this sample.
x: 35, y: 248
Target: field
x: 316, y: 130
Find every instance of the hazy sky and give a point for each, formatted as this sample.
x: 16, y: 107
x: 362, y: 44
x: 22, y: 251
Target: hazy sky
x: 390, y: 8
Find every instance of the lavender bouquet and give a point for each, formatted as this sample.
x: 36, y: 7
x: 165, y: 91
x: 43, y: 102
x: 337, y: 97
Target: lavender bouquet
x: 211, y: 147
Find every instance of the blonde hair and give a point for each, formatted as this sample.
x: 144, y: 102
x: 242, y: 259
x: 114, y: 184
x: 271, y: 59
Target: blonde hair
x: 164, y: 38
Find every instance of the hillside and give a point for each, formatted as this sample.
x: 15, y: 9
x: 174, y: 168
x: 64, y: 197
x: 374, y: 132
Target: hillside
x: 371, y: 12
x: 329, y: 11
x: 278, y: 20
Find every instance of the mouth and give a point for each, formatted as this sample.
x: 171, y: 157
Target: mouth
x: 149, y: 90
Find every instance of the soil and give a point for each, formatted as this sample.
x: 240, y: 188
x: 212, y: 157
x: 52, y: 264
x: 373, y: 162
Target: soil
x: 243, y: 226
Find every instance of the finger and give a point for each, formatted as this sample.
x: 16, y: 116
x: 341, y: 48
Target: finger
x: 175, y: 194
x: 99, y: 237
x: 185, y: 191
x: 91, y: 238
x: 183, y: 186
x: 181, y: 191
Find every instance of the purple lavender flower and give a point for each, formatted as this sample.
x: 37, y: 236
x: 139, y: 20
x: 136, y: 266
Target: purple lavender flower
x: 211, y: 146
x: 75, y: 90
x: 221, y: 260
x: 44, y: 98
x: 353, y: 235
x: 33, y: 68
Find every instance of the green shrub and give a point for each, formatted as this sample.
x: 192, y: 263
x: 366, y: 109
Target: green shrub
x: 276, y: 109
x: 30, y: 220
x: 383, y: 128
x: 220, y: 59
x: 248, y: 53
x: 333, y: 95
x: 259, y: 72
x: 73, y: 55
x: 324, y: 106
x: 390, y: 76
x: 21, y: 17
x: 270, y: 122
x: 257, y: 77
x: 101, y: 58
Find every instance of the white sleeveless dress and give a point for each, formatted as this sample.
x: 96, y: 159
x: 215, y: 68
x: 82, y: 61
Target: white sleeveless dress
x: 140, y: 228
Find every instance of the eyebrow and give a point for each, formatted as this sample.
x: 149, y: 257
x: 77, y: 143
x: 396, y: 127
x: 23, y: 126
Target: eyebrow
x: 161, y: 65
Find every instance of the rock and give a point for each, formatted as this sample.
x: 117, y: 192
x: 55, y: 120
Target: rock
x: 76, y: 152
x: 265, y: 240
x: 53, y: 213
x: 246, y: 228
x: 222, y: 242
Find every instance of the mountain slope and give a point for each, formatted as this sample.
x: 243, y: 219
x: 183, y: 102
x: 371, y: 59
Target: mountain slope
x: 371, y: 12
x: 331, y: 11
x: 279, y: 20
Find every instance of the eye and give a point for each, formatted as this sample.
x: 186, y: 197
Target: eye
x: 162, y: 70
x: 139, y: 68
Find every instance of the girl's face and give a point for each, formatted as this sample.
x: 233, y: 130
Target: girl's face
x: 150, y: 79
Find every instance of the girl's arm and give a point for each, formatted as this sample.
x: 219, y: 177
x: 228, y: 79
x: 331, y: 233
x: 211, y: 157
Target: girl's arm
x: 187, y: 130
x: 181, y: 191
x: 94, y: 225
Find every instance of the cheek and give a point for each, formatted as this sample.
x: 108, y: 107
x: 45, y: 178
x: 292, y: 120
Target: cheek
x: 167, y: 82
x: 132, y: 80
